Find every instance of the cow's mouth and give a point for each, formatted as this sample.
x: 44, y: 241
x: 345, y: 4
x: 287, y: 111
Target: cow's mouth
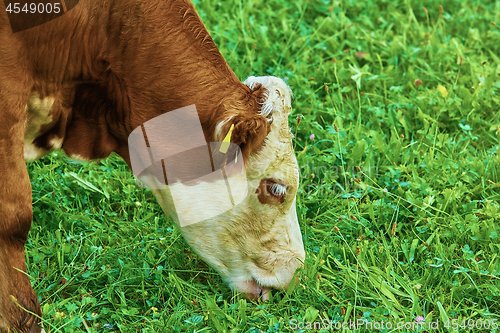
x: 252, y: 290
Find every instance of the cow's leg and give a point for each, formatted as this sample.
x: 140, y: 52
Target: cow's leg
x: 16, y: 292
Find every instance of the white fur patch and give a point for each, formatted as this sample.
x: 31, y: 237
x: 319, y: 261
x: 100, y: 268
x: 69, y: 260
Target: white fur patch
x: 78, y: 158
x: 37, y: 117
x: 206, y: 200
x: 278, y: 93
x: 56, y: 143
x: 32, y: 153
x: 218, y: 128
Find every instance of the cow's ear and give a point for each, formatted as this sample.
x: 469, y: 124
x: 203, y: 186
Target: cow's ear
x: 249, y: 131
x: 249, y: 127
x: 266, y: 104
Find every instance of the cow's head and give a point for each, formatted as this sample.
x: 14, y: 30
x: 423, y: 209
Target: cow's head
x: 256, y: 245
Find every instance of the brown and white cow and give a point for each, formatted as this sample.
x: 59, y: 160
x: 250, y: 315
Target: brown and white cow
x: 84, y: 81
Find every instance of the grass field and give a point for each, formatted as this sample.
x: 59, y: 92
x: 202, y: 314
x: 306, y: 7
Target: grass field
x: 400, y: 192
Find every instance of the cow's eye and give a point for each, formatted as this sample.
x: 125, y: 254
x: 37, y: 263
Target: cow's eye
x: 276, y: 190
x: 271, y: 192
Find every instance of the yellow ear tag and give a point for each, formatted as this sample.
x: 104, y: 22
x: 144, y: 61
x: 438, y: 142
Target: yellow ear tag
x: 227, y: 140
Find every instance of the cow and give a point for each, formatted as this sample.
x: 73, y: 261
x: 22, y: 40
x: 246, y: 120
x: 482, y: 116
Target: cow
x: 82, y: 82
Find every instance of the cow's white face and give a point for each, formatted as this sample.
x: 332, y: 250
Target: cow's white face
x: 257, y: 245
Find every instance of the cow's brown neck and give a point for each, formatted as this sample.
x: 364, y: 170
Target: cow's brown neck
x: 172, y: 70
x: 125, y: 69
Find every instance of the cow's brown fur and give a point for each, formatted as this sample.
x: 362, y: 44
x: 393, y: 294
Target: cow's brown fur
x: 110, y: 65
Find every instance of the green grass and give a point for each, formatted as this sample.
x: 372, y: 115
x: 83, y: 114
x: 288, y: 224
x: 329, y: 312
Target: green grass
x: 399, y: 207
